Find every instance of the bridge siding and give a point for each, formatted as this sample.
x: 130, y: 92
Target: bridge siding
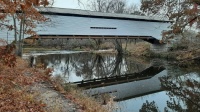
x: 70, y: 25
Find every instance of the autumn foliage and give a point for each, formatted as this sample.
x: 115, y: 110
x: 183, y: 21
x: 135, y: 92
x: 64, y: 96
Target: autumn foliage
x: 7, y: 56
x: 15, y: 95
x: 183, y: 13
x: 21, y: 17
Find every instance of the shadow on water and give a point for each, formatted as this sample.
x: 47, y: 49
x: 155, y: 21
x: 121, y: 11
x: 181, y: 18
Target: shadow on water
x: 135, y: 84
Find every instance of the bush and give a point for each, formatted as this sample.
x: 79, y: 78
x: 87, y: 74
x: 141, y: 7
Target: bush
x: 7, y: 57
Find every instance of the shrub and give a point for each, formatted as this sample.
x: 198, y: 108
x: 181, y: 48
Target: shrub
x: 7, y: 57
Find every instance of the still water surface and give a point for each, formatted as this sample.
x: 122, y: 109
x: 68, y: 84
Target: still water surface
x: 136, y: 84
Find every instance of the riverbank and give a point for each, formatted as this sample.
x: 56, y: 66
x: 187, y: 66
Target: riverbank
x: 180, y: 55
x: 178, y: 52
x: 33, y: 89
x: 29, y: 50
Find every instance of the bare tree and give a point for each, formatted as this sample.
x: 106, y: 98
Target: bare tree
x: 114, y: 6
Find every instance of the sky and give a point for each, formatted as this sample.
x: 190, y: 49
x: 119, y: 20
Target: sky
x: 74, y: 3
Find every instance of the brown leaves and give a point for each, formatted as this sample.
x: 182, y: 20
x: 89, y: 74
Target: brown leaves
x: 177, y: 30
x: 23, y: 7
x: 44, y: 2
x: 18, y: 101
x: 14, y: 95
x: 7, y: 56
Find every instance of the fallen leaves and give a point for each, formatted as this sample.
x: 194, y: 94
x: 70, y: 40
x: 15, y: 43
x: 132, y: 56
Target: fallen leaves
x: 14, y: 96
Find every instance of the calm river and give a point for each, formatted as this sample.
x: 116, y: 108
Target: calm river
x: 136, y: 84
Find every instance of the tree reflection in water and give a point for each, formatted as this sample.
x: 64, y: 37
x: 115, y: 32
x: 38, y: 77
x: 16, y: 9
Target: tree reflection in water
x: 149, y: 107
x: 183, y: 92
x: 90, y: 66
x: 185, y: 88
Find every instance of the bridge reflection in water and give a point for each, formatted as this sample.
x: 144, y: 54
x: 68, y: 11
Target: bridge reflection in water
x: 124, y: 77
x: 146, y: 74
x: 126, y: 87
x: 134, y: 82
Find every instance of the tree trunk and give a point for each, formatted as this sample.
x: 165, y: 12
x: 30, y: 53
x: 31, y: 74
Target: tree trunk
x: 118, y: 46
x: 15, y: 28
x: 98, y: 43
x: 15, y: 34
x: 19, y: 50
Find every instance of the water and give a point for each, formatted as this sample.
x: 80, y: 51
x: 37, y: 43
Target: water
x: 136, y: 84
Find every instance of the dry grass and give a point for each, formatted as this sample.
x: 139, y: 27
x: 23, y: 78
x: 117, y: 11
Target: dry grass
x: 189, y: 54
x: 138, y: 49
x: 87, y: 104
x: 39, y: 49
x: 107, y: 45
x: 77, y: 96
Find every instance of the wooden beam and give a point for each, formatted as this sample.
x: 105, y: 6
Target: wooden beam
x: 91, y: 37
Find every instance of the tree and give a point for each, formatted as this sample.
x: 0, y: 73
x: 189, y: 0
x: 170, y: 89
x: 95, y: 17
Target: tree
x: 113, y: 6
x: 21, y: 16
x: 109, y: 6
x: 184, y: 13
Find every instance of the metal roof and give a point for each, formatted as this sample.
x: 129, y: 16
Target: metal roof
x: 87, y: 13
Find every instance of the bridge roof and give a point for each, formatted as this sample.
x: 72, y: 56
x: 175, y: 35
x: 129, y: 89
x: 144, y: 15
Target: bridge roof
x: 94, y: 14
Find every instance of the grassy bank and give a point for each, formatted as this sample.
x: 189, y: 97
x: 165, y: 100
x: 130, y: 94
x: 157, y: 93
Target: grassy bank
x: 15, y: 94
x: 38, y: 49
x: 178, y: 52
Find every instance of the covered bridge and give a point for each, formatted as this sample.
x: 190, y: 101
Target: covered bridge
x: 75, y: 23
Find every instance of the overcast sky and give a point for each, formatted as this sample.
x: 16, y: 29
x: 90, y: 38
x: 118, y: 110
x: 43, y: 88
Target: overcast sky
x: 74, y: 3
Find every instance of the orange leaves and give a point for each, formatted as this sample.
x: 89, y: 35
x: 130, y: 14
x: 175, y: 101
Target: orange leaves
x: 23, y: 7
x: 44, y: 2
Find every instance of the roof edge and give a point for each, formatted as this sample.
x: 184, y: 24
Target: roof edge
x: 94, y: 14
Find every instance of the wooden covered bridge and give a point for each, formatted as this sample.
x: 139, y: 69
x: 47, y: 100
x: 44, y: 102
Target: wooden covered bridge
x: 84, y: 24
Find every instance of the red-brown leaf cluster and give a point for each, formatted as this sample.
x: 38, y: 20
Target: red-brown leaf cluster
x: 7, y: 56
x: 183, y: 13
x: 23, y: 11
